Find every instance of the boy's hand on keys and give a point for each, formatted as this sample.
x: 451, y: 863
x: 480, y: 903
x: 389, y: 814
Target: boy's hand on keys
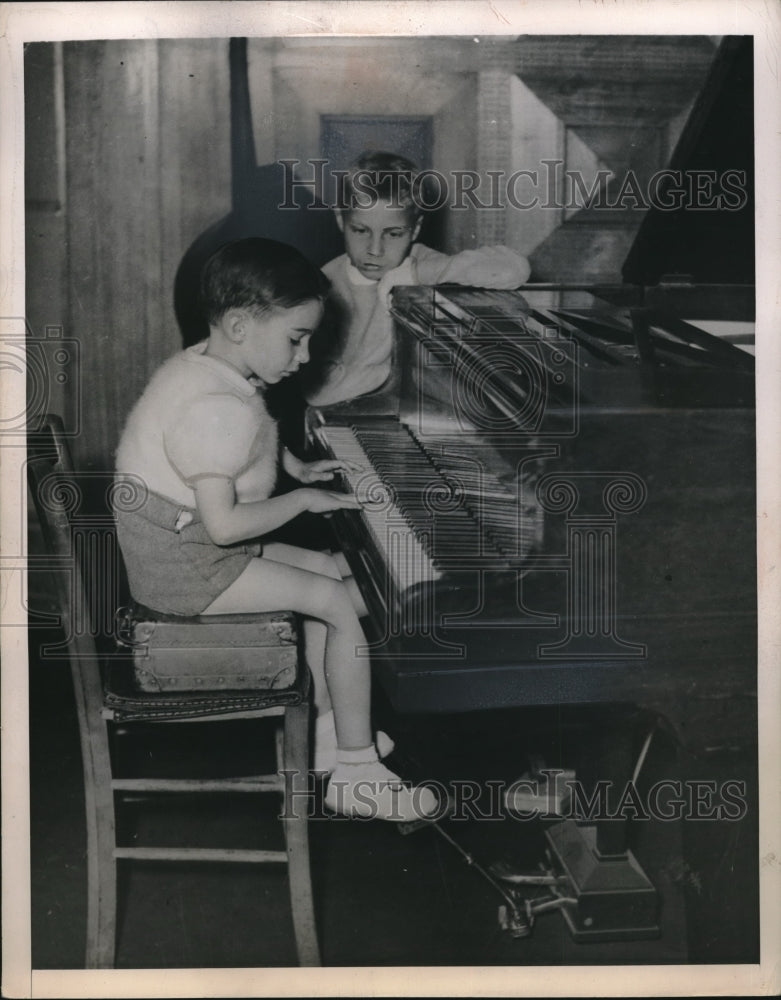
x: 322, y: 501
x: 324, y: 470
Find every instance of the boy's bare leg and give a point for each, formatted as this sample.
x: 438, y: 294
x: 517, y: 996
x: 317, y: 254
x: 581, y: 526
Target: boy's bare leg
x: 356, y: 596
x: 277, y: 580
x: 346, y: 574
x: 288, y: 577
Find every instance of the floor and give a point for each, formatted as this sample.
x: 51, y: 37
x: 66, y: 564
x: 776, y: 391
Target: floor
x: 383, y: 898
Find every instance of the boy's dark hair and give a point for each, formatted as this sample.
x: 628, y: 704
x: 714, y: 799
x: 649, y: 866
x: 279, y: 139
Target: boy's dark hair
x: 258, y: 275
x: 379, y: 176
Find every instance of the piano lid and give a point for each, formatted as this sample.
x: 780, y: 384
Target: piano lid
x: 716, y: 245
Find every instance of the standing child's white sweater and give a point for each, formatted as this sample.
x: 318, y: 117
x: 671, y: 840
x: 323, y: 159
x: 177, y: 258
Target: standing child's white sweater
x: 358, y: 359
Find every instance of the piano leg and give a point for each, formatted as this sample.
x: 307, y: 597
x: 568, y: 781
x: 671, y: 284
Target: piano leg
x: 720, y: 868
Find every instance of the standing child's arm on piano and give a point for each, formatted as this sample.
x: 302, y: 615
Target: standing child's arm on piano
x: 358, y: 359
x: 485, y: 267
x: 380, y: 219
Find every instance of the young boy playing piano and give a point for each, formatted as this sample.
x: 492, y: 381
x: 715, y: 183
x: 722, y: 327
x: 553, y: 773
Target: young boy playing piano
x: 203, y: 441
x: 380, y: 219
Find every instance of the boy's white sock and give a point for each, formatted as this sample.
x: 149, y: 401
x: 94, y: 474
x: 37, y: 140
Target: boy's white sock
x: 325, y: 743
x: 361, y: 786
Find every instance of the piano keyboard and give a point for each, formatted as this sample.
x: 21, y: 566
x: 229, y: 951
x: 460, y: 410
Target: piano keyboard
x: 513, y: 521
x: 404, y: 549
x: 430, y: 513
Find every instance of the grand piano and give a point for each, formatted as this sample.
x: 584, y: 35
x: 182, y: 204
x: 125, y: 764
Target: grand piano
x: 559, y: 509
x: 550, y: 518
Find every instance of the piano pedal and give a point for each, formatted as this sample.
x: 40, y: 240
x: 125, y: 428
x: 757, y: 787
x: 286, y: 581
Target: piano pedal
x: 545, y: 876
x: 514, y: 923
x: 519, y: 922
x: 600, y: 899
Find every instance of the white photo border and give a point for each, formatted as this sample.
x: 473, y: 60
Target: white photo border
x: 22, y: 22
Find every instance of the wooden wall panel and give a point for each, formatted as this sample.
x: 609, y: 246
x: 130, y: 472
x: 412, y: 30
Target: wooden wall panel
x: 45, y: 289
x: 260, y: 71
x: 195, y: 157
x: 113, y: 227
x: 617, y: 98
x: 455, y: 148
x: 494, y: 134
x: 148, y: 168
x: 538, y: 135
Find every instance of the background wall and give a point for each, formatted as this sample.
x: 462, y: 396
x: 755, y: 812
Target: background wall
x: 146, y: 163
x: 128, y: 161
x: 437, y: 78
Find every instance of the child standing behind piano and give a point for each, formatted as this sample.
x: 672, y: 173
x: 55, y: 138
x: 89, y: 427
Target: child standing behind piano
x: 202, y: 440
x: 380, y: 220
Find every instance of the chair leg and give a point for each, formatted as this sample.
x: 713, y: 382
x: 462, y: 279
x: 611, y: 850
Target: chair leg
x: 99, y: 814
x: 296, y: 825
x: 101, y: 904
x: 101, y: 863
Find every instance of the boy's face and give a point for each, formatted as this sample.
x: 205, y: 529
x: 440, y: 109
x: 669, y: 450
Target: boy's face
x: 275, y: 344
x: 378, y: 239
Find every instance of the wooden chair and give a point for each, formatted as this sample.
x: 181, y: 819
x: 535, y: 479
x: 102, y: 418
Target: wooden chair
x: 81, y: 548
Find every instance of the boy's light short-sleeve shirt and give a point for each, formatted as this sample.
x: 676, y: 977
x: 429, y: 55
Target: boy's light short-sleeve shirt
x: 200, y: 418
